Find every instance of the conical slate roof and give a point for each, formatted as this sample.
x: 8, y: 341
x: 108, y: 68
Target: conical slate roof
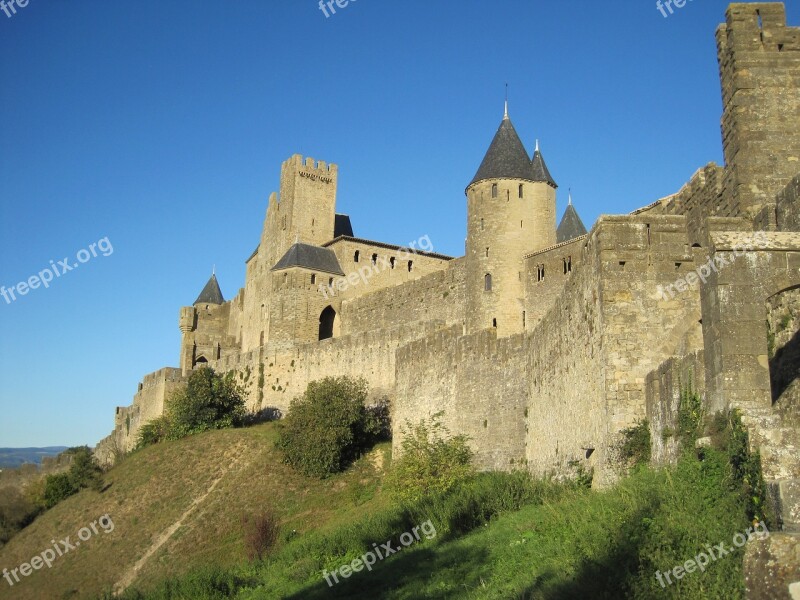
x: 211, y: 294
x: 506, y: 157
x: 310, y: 257
x: 540, y: 172
x: 571, y: 226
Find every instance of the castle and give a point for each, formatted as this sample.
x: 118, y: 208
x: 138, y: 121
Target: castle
x: 543, y: 342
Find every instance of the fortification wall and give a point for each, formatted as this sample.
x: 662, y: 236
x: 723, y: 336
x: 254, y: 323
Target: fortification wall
x: 371, y: 267
x: 148, y: 404
x: 478, y: 383
x: 435, y: 298
x: 546, y: 273
x: 787, y: 206
x: 609, y: 328
x: 700, y: 198
x: 274, y: 375
x: 664, y: 386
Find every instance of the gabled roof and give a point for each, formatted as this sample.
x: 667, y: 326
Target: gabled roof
x: 211, y: 294
x: 310, y: 257
x: 540, y: 172
x: 571, y: 226
x: 506, y: 157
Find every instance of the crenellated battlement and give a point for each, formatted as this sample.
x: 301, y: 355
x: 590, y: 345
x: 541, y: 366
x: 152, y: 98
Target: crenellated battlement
x: 299, y: 162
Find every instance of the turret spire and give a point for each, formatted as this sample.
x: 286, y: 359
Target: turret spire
x: 505, y: 114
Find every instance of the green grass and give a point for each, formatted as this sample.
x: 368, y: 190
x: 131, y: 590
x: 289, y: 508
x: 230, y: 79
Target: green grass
x: 499, y: 536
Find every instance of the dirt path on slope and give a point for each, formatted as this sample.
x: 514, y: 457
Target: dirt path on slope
x: 234, y: 455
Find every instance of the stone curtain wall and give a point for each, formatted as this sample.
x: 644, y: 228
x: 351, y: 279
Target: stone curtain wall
x: 479, y: 384
x: 664, y: 387
x: 438, y: 297
x: 545, y: 277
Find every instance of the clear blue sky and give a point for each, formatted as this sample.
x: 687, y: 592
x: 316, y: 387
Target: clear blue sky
x: 162, y: 126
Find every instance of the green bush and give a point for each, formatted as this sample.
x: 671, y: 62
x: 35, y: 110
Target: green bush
x: 83, y: 473
x: 632, y: 448
x: 329, y: 426
x: 430, y: 462
x: 57, y: 488
x: 207, y: 401
x: 153, y: 432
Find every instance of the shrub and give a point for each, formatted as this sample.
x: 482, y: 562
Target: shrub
x: 328, y: 427
x: 84, y: 472
x: 153, y: 432
x: 431, y: 462
x: 57, y: 488
x: 632, y: 448
x: 207, y: 401
x: 261, y: 532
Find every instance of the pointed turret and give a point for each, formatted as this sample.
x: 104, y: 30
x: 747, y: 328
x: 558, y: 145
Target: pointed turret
x: 571, y: 225
x: 506, y: 157
x: 539, y: 169
x: 211, y: 294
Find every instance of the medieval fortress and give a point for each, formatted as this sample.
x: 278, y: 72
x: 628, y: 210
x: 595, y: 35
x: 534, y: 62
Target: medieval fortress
x: 543, y: 342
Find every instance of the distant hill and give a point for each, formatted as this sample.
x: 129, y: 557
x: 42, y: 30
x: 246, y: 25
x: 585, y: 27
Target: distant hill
x: 14, y: 457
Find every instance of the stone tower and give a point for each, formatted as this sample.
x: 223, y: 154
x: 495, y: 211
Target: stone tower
x: 759, y: 58
x: 511, y: 211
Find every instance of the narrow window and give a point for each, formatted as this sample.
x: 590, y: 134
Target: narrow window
x: 481, y: 224
x: 410, y: 265
x: 520, y: 224
x: 564, y: 260
x: 521, y: 187
x: 494, y: 323
x: 487, y: 282
x: 569, y: 264
x: 330, y: 282
x: 313, y: 279
x: 374, y: 259
x: 494, y: 190
x: 487, y: 253
x: 391, y: 262
x: 357, y: 256
x: 523, y: 319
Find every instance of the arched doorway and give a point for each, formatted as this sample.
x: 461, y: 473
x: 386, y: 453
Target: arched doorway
x: 327, y: 323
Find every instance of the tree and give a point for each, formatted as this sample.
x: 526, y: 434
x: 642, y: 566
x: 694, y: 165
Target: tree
x: 329, y: 425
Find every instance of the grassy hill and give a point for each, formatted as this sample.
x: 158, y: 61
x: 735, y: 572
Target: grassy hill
x: 176, y: 509
x: 164, y: 485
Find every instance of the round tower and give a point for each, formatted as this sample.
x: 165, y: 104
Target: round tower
x: 511, y: 211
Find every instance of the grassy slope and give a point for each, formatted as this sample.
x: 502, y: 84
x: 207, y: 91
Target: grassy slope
x: 563, y: 543
x: 152, y: 489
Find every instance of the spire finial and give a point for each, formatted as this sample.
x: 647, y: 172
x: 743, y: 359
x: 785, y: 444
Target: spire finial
x: 570, y: 196
x: 505, y: 114
x: 537, y: 145
x: 213, y: 270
